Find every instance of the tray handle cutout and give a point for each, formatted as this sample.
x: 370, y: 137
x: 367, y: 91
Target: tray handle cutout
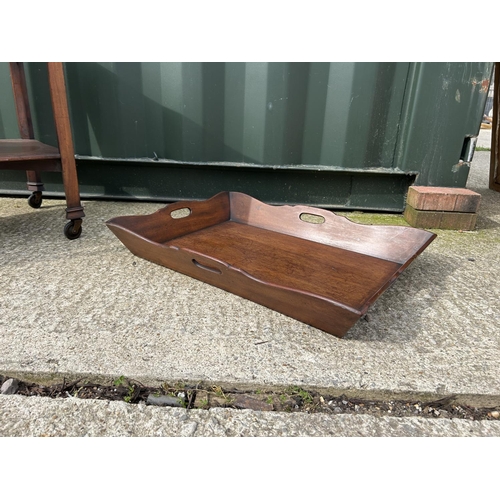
x: 206, y: 268
x: 311, y: 218
x: 180, y: 213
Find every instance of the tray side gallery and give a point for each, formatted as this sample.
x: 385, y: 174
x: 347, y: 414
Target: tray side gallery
x: 181, y: 245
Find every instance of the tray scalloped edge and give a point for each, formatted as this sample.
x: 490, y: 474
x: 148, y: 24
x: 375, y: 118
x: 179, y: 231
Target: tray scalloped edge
x: 149, y: 237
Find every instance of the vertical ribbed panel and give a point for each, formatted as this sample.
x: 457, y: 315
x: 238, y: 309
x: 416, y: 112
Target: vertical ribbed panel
x: 362, y: 124
x: 333, y: 114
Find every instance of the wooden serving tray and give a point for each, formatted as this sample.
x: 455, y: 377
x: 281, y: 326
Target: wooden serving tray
x: 325, y: 274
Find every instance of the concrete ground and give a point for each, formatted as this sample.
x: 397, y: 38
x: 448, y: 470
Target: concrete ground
x: 484, y: 138
x: 89, y: 308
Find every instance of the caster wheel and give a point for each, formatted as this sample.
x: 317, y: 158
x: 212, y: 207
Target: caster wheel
x: 73, y: 229
x: 35, y: 199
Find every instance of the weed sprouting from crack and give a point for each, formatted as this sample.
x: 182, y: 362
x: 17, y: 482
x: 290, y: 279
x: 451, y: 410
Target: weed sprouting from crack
x: 290, y: 399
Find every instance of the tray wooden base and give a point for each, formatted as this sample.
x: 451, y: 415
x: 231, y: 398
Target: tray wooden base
x: 325, y: 274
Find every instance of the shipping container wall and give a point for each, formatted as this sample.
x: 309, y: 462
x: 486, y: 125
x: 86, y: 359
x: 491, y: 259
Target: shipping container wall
x: 441, y: 119
x: 338, y: 135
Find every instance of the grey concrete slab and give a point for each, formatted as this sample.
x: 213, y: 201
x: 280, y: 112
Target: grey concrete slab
x: 90, y: 308
x: 25, y: 416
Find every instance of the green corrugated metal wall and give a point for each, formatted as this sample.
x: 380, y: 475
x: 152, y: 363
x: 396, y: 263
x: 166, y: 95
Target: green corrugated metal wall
x: 345, y: 135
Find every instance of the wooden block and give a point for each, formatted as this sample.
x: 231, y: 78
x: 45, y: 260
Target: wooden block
x: 442, y: 199
x: 429, y: 219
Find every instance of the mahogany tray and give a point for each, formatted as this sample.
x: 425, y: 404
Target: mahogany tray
x: 307, y: 263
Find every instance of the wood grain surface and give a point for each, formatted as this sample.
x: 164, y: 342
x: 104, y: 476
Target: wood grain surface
x: 13, y: 150
x: 326, y: 274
